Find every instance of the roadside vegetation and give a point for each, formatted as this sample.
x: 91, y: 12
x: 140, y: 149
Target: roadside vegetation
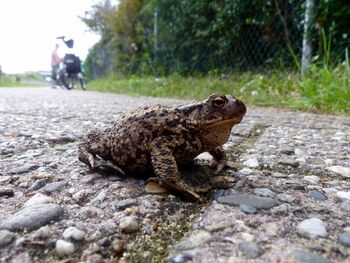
x: 22, y: 80
x: 321, y: 90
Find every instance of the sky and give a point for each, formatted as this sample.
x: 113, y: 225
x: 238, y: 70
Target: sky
x: 28, y: 31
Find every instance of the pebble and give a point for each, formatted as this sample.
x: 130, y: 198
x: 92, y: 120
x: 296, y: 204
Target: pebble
x: 6, y: 192
x: 271, y: 229
x: 345, y: 206
x: 182, y: 258
x: 43, y: 232
x: 32, y: 217
x: 129, y: 225
x: 247, y: 236
x: 286, y: 198
x: 54, y: 187
x: 289, y: 162
x: 196, y: 238
x: 340, y: 170
x: 6, y: 237
x: 312, y: 179
x: 248, y: 209
x: 73, y: 233
x: 252, y: 200
x: 24, y: 169
x: 279, y: 175
x: 122, y: 204
x: 118, y: 246
x: 250, y: 250
x: 21, y: 258
x: 251, y: 163
x: 343, y: 195
x: 64, y: 248
x: 317, y: 195
x: 98, y: 199
x: 38, y: 184
x: 300, y: 256
x: 38, y: 199
x: 264, y: 192
x: 344, y: 239
x: 312, y: 228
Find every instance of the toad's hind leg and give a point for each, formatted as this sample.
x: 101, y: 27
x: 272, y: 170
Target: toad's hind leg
x: 165, y: 167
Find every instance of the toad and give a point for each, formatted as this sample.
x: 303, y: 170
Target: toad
x: 162, y: 138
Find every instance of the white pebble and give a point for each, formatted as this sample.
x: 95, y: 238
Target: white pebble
x: 312, y: 179
x: 64, y: 248
x: 343, y: 195
x: 38, y: 199
x: 251, y: 163
x: 312, y: 228
x: 73, y: 233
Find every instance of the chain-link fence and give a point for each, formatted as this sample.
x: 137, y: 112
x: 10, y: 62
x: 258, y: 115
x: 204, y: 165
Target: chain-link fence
x: 188, y: 37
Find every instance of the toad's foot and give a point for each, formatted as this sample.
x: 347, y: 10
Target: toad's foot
x: 95, y: 163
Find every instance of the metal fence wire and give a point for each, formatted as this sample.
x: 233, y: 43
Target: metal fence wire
x: 255, y: 36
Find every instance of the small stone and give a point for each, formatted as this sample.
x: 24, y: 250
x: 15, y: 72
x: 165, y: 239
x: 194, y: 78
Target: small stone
x: 247, y: 237
x: 38, y: 184
x: 343, y: 195
x: 54, y: 187
x: 264, y: 192
x: 104, y: 242
x: 340, y: 170
x: 32, y: 217
x: 279, y: 175
x: 344, y: 239
x: 251, y: 163
x: 6, y: 192
x: 98, y: 199
x: 300, y: 256
x: 95, y: 258
x: 248, y: 209
x: 272, y: 229
x: 38, y: 199
x: 73, y: 233
x: 345, y: 206
x: 118, y: 246
x: 21, y: 258
x: 197, y: 238
x: 312, y: 179
x: 129, y: 225
x: 6, y: 237
x: 289, y: 162
x: 24, y: 169
x: 312, y: 228
x: 182, y: 258
x: 286, y: 198
x: 43, y: 232
x: 252, y: 200
x: 246, y: 171
x: 64, y: 248
x: 316, y: 195
x: 154, y: 188
x: 250, y: 250
x: 121, y: 205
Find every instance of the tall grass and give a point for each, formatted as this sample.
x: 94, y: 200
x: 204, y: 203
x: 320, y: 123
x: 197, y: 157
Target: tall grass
x: 321, y: 90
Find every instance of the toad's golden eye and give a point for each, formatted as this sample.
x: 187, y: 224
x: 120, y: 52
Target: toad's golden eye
x: 218, y: 103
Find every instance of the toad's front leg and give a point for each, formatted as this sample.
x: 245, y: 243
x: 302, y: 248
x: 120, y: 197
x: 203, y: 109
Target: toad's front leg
x: 165, y: 166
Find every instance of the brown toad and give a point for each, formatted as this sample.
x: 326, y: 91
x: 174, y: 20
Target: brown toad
x: 163, y: 137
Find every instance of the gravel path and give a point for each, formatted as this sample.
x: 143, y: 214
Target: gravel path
x: 291, y: 202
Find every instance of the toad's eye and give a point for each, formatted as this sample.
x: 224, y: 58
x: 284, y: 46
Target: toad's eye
x: 218, y: 103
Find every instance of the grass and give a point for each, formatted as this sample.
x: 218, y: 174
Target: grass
x: 321, y: 90
x: 28, y: 79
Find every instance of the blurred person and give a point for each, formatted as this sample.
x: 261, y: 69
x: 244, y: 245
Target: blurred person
x: 55, y: 61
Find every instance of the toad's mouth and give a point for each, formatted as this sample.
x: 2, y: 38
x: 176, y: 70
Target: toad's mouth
x: 231, y: 121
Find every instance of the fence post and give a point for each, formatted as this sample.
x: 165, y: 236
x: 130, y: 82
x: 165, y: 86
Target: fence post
x: 307, y: 45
